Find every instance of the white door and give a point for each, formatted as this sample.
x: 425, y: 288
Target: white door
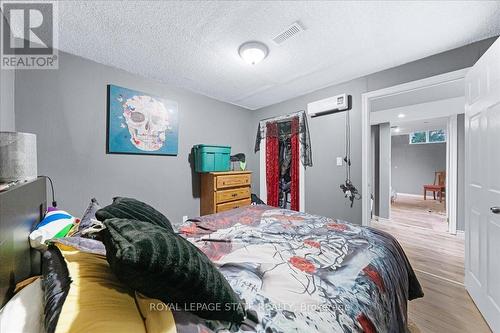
x: 482, y: 153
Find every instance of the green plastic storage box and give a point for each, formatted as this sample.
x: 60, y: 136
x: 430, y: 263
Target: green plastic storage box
x: 209, y: 158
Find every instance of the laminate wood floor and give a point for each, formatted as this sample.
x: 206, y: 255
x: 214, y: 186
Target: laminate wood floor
x: 438, y: 260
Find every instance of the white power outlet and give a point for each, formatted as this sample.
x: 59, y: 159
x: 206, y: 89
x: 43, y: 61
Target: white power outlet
x: 339, y: 161
x: 184, y: 218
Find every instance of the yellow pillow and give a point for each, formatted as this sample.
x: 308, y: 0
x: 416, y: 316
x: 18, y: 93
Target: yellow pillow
x: 157, y: 316
x: 97, y: 302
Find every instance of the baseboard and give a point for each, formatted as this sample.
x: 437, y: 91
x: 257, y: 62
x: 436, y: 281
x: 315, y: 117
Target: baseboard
x: 411, y: 195
x: 380, y: 219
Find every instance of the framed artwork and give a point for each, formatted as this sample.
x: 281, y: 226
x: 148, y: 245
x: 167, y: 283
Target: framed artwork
x: 139, y: 123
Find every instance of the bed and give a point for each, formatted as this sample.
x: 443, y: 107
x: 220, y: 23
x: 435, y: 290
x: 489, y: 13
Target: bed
x: 299, y: 272
x: 295, y: 272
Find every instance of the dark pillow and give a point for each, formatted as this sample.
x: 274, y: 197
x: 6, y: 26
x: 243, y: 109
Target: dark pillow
x: 128, y: 208
x: 55, y: 284
x: 165, y: 266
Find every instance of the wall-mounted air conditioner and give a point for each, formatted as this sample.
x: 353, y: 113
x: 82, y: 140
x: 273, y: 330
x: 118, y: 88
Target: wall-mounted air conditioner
x: 329, y: 105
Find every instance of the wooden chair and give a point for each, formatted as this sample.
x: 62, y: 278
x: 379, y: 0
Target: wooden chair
x: 439, y: 186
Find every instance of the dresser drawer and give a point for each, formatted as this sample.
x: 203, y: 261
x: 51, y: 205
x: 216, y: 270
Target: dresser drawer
x: 221, y: 191
x: 233, y: 204
x: 227, y: 181
x: 234, y: 194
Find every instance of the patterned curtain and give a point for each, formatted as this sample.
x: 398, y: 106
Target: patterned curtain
x: 294, y: 168
x: 272, y: 164
x: 302, y: 129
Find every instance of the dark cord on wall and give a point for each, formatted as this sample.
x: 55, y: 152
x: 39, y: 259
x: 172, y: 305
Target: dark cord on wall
x: 348, y: 188
x: 54, y: 202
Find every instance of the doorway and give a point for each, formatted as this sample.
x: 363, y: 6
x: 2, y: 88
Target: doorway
x: 409, y: 160
x: 437, y: 255
x: 284, y: 154
x: 418, y: 169
x: 445, y: 94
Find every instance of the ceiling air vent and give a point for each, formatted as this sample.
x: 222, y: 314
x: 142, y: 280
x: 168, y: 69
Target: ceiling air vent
x: 291, y: 31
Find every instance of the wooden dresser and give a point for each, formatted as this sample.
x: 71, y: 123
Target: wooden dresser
x: 221, y: 191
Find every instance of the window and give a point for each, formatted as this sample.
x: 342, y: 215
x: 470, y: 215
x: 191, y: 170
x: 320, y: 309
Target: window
x: 432, y: 136
x: 437, y: 136
x: 418, y: 137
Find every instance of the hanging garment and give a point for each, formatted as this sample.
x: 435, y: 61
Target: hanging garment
x: 285, y: 157
x: 272, y: 164
x: 294, y: 171
x: 302, y: 129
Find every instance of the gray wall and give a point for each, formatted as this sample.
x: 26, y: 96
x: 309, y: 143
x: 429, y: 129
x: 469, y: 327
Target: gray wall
x: 323, y: 195
x: 384, y: 171
x: 7, y: 115
x: 461, y: 172
x: 415, y: 165
x: 66, y: 108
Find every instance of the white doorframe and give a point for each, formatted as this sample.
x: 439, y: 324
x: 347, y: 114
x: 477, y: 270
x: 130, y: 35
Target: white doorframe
x: 452, y: 173
x: 262, y: 176
x: 366, y: 131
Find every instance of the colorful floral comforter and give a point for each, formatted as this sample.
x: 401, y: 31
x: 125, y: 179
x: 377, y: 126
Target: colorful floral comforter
x: 299, y: 272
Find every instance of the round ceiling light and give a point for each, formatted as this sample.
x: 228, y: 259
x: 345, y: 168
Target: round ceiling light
x: 253, y: 52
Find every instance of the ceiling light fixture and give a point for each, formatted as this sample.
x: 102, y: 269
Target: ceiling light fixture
x: 253, y: 52
x: 401, y: 115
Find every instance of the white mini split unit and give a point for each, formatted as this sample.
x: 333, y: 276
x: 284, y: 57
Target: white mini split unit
x: 329, y: 105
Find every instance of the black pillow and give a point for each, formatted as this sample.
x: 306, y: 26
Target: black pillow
x: 165, y: 266
x: 55, y: 283
x: 128, y: 208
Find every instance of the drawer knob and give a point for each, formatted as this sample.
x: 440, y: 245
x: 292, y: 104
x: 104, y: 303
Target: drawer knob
x: 234, y: 194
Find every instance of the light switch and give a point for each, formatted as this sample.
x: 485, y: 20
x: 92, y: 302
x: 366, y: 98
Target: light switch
x: 339, y: 161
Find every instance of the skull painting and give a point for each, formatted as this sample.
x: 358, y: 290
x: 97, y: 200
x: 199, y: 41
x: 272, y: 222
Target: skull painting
x: 147, y: 120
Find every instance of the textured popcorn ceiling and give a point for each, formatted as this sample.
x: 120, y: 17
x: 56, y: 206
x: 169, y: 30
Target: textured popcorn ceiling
x: 194, y: 45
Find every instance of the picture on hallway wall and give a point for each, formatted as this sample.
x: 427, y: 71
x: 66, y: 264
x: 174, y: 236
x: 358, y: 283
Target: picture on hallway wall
x: 139, y: 123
